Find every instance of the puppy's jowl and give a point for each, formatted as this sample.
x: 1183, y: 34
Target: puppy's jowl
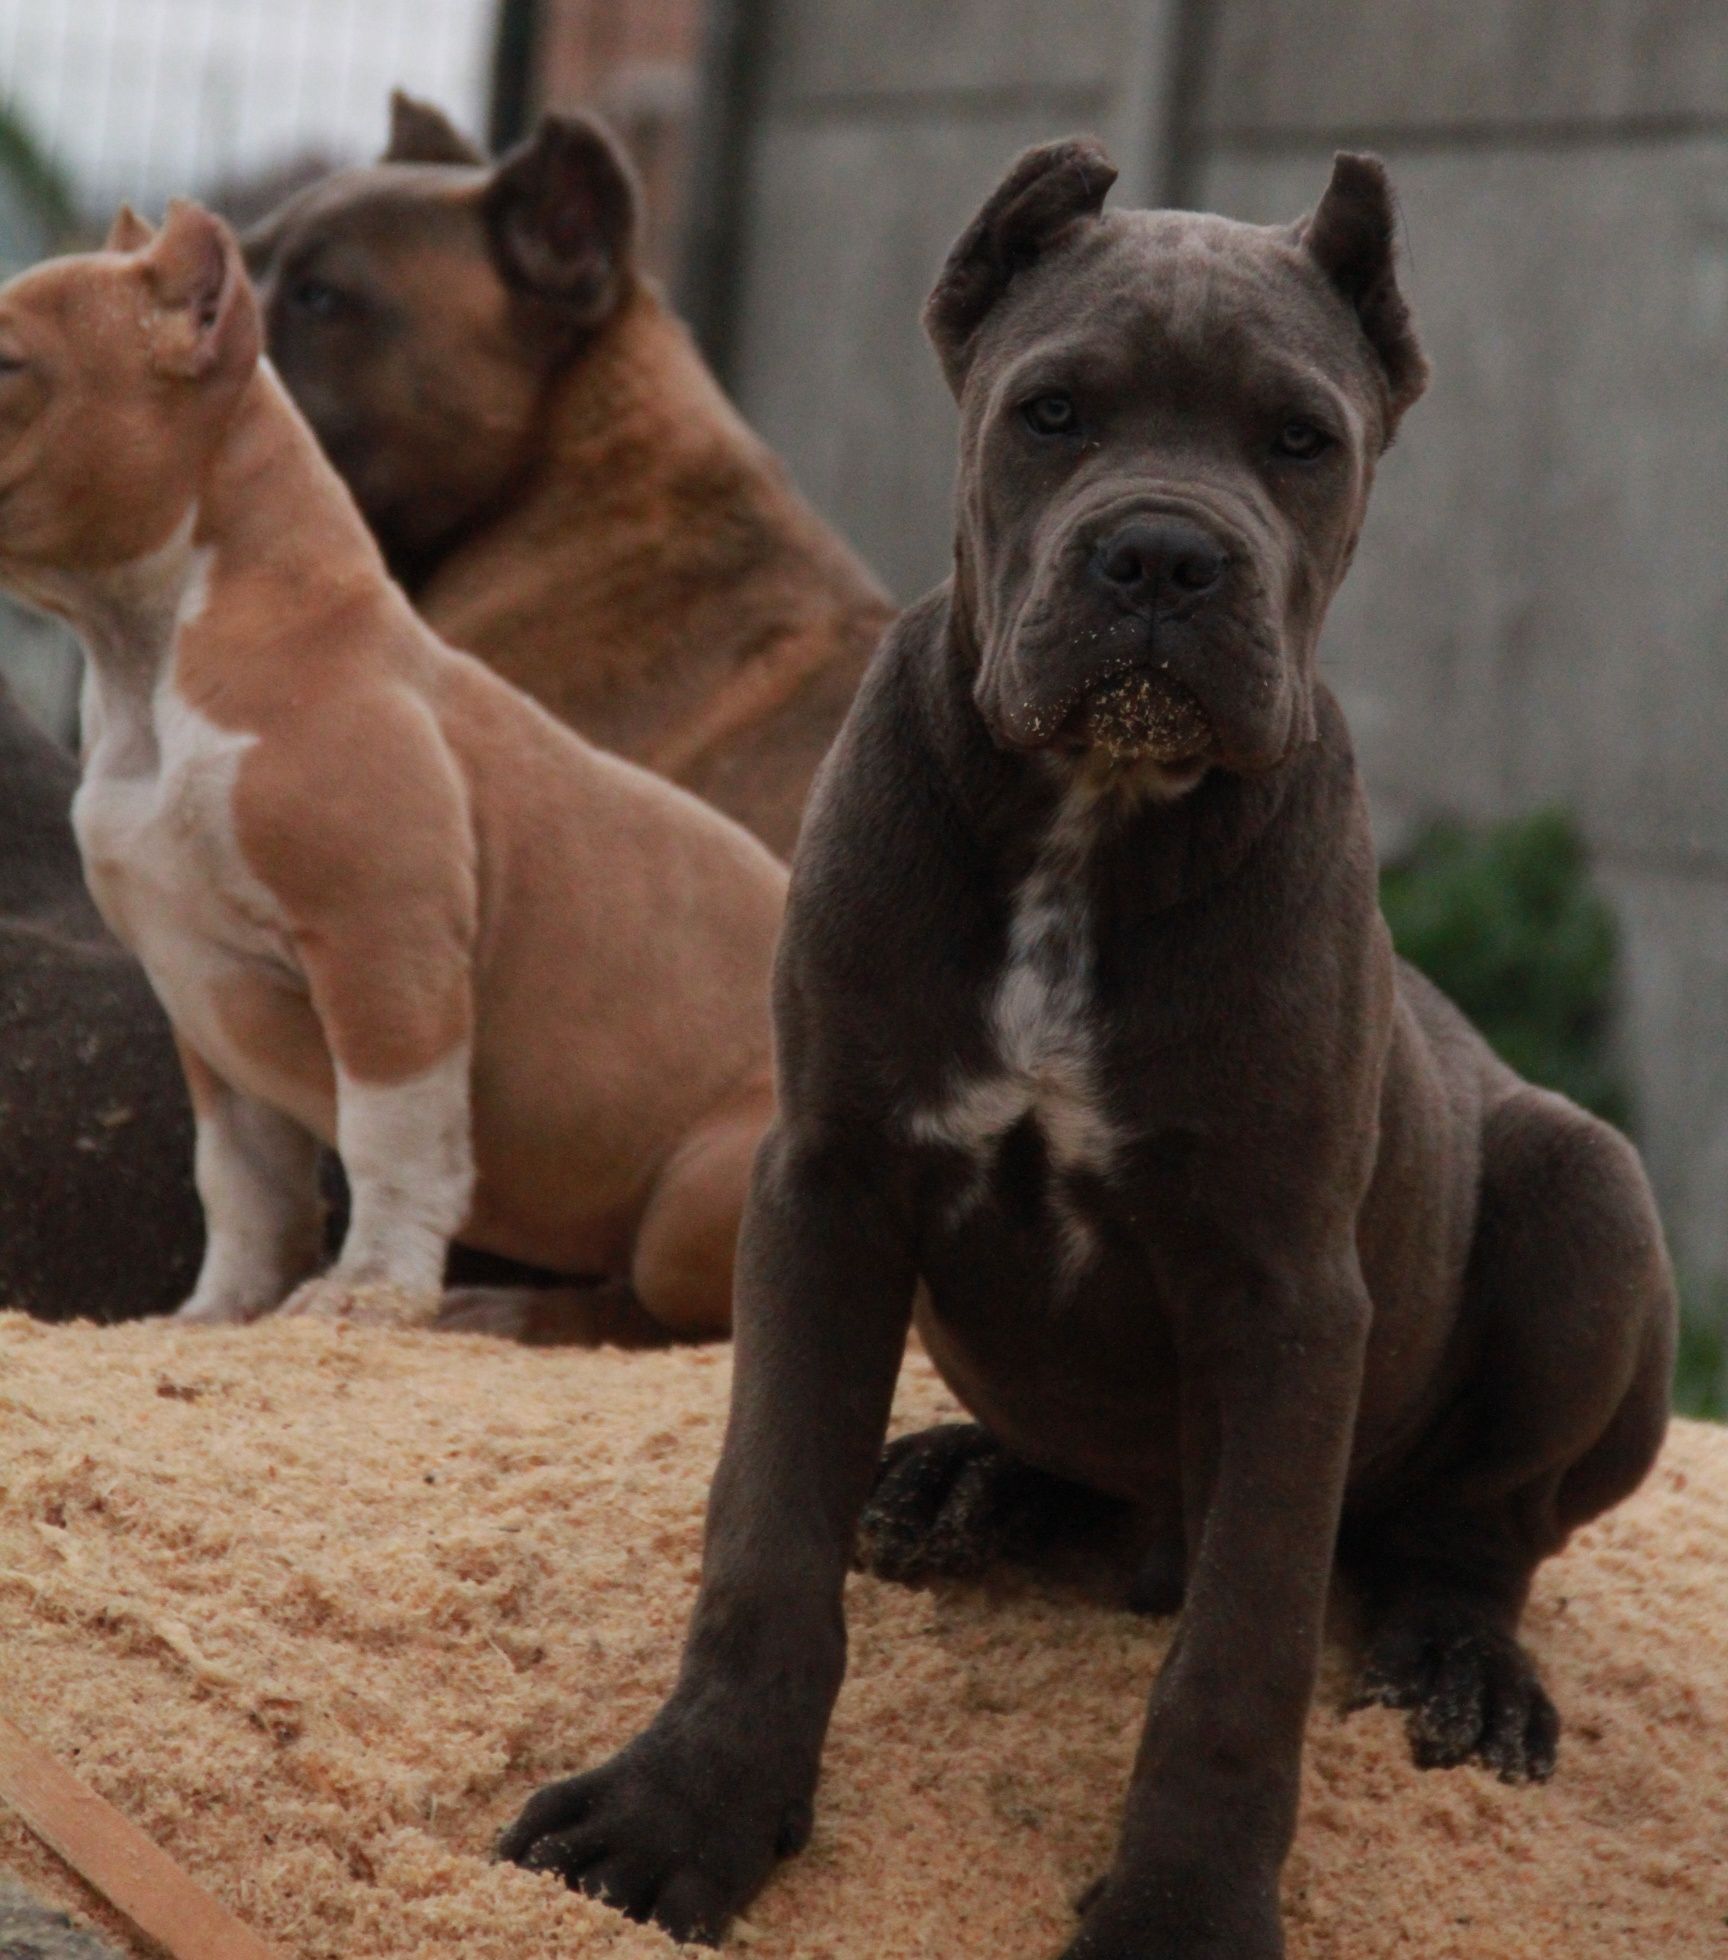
x: 389, y: 904
x: 1092, y: 1042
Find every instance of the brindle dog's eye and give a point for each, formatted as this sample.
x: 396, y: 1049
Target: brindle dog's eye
x: 1050, y: 415
x: 1302, y: 441
x: 316, y: 298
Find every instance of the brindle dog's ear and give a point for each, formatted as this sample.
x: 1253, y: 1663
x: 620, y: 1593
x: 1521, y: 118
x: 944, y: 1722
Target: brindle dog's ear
x: 561, y: 214
x: 420, y: 132
x: 1049, y: 190
x: 1353, y: 235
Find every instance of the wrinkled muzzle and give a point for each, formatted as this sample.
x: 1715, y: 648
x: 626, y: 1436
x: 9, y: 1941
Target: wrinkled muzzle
x: 1149, y: 633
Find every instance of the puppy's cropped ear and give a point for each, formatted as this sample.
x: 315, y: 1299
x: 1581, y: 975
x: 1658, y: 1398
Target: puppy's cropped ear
x: 1047, y: 193
x: 561, y: 214
x: 420, y: 132
x: 1353, y: 235
x: 203, y: 316
x: 128, y: 232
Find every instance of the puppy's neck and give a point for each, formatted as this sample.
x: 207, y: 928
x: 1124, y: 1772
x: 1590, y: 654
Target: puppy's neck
x: 268, y: 522
x: 1157, y: 841
x: 272, y: 505
x: 128, y: 615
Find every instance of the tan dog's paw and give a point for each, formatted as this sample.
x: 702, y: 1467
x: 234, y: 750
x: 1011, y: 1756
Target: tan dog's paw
x: 366, y: 1303
x: 216, y: 1311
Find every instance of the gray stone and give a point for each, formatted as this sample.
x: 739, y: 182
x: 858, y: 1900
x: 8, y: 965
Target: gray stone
x: 40, y: 658
x: 30, y: 1930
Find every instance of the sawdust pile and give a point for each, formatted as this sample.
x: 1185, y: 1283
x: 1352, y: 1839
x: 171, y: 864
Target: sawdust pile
x: 319, y: 1607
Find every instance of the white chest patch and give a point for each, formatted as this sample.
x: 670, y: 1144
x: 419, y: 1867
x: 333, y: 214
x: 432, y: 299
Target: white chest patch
x: 154, y: 817
x: 1042, y: 1021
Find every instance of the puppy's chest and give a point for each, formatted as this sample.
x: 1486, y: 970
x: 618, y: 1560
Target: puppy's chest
x: 155, y: 820
x: 1031, y: 1127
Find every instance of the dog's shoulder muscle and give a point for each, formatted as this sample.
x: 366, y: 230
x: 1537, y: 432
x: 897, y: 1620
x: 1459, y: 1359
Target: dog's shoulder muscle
x: 885, y: 897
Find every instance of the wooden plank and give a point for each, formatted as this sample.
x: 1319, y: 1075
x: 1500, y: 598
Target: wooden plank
x: 109, y: 1852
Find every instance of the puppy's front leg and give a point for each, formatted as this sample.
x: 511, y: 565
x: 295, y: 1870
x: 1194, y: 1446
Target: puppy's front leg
x: 399, y: 1030
x: 685, y: 1822
x: 257, y: 1177
x: 1271, y: 1384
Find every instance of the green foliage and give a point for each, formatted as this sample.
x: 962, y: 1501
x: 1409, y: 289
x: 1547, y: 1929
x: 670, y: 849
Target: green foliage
x: 1701, y: 1367
x: 1503, y: 917
x: 42, y: 186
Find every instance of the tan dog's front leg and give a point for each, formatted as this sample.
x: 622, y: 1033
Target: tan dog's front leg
x: 257, y: 1177
x: 398, y: 1020
x: 407, y: 1149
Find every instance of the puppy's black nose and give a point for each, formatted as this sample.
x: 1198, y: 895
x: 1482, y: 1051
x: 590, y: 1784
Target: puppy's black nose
x: 1152, y: 565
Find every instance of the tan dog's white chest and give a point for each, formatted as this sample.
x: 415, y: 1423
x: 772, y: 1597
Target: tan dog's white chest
x: 155, y: 822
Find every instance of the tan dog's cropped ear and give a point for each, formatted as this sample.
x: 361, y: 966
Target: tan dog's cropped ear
x: 1049, y: 190
x: 204, y: 316
x: 128, y: 232
x: 1352, y: 233
x: 420, y: 132
x: 561, y: 214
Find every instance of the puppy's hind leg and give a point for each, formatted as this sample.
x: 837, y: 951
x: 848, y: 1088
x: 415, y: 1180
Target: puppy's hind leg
x: 1570, y: 1316
x: 680, y: 1283
x: 951, y: 1503
x: 600, y: 1313
x: 687, y: 1243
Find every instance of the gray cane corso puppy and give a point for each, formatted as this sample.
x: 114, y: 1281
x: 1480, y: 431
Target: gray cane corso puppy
x: 1092, y: 1038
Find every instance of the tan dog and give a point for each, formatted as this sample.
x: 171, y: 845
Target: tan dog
x: 553, y: 473
x: 388, y: 902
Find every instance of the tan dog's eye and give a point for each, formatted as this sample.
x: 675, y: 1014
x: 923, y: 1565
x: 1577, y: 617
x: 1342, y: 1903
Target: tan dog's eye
x: 1050, y: 415
x: 1302, y: 441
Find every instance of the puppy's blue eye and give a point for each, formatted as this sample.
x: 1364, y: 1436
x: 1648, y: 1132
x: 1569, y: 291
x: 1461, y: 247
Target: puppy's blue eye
x: 1050, y: 415
x: 316, y: 298
x: 1302, y: 441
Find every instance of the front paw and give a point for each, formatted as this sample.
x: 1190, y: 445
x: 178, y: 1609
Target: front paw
x: 670, y: 1832
x: 219, y: 1310
x: 361, y: 1303
x: 1187, y: 1916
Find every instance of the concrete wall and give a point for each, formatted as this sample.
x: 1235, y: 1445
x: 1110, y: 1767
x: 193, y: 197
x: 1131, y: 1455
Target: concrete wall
x: 874, y: 132
x: 1540, y: 606
x: 1541, y: 611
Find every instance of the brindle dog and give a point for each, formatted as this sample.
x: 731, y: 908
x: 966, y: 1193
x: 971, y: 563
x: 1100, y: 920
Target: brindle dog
x: 551, y: 469
x: 1089, y: 1023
